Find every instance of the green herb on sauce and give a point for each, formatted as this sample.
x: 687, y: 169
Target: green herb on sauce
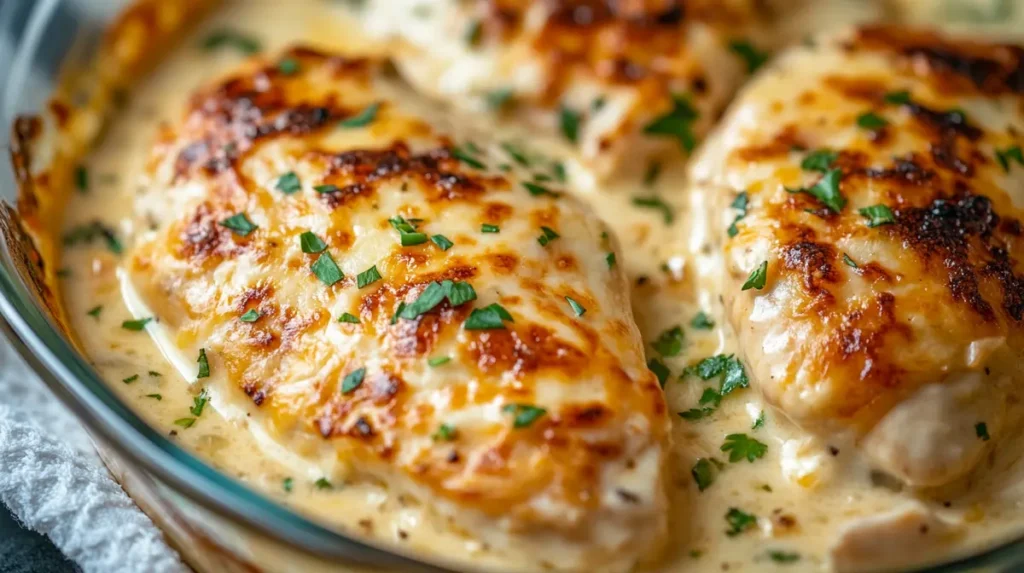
x: 742, y: 446
x: 702, y: 322
x: 490, y: 317
x: 439, y: 361
x: 849, y: 262
x: 227, y: 38
x: 488, y: 228
x: 352, y: 380
x: 753, y: 57
x: 525, y: 414
x: 95, y: 311
x: 981, y: 430
x: 348, y: 318
x: 547, y: 235
x: 136, y: 325
x: 442, y: 242
x: 826, y: 190
x: 661, y: 372
x: 251, y: 315
x: 878, y: 215
x: 204, y: 364
x: 819, y: 160
x: 758, y: 277
x: 569, y: 121
x: 310, y: 243
x: 368, y: 277
x: 288, y: 183
x: 445, y: 433
x: 658, y: 204
x: 897, y: 98
x: 1009, y: 154
x: 703, y: 473
x: 130, y: 379
x: 676, y: 123
x: 576, y: 307
x: 739, y: 521
x: 871, y: 120
x: 670, y: 342
x: 361, y: 119
x: 239, y: 224
x: 326, y: 269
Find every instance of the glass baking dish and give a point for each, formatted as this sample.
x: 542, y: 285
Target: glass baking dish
x: 216, y: 522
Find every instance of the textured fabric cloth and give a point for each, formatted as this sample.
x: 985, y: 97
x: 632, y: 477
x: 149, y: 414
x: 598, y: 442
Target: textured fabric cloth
x: 54, y: 483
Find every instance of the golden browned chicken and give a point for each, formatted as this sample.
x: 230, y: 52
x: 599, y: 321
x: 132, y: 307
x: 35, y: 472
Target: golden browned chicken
x: 617, y: 80
x: 405, y: 304
x: 868, y: 189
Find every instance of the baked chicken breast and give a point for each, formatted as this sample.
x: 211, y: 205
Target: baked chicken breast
x: 868, y: 191
x: 404, y: 303
x: 613, y: 79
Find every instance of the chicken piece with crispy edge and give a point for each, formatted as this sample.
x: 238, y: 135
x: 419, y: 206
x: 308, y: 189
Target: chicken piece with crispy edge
x: 867, y: 190
x: 614, y: 79
x: 435, y: 313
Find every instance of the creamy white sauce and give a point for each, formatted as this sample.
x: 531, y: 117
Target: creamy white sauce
x: 807, y: 494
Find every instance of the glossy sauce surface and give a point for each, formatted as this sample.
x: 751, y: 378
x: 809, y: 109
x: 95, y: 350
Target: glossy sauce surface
x: 785, y: 508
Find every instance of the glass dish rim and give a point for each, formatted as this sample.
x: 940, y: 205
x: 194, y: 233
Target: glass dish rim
x: 33, y: 335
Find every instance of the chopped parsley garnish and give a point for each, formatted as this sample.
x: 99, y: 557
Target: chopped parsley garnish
x: 849, y: 262
x: 538, y: 190
x: 740, y: 204
x: 445, y: 433
x: 515, y: 153
x: 154, y: 374
x: 783, y: 556
x: 819, y: 160
x: 348, y: 318
x: 677, y: 123
x: 547, y: 235
x: 352, y: 380
x: 826, y: 190
x: 457, y: 293
x: 204, y: 364
x: 130, y: 379
x: 710, y: 396
x: 598, y: 103
x: 757, y: 277
x: 610, y: 259
x: 92, y: 231
x: 656, y: 203
x: 251, y: 315
x: 703, y: 473
x: 326, y: 269
x: 407, y: 233
x: 289, y: 183
x: 311, y: 244
x: 897, y: 98
x: 981, y: 430
x: 136, y: 325
x: 288, y: 66
x: 288, y: 484
x: 226, y: 38
x: 739, y: 521
x: 525, y: 414
x: 465, y: 157
x: 185, y: 422
x: 702, y: 322
x: 753, y: 57
x: 239, y: 224
x: 759, y: 422
x: 558, y: 170
x: 872, y: 121
x: 474, y: 32
x: 878, y: 215
x: 569, y: 121
x: 442, y: 242
x: 670, y: 342
x: 734, y: 376
x: 326, y: 189
x: 82, y: 179
x: 198, y: 403
x: 363, y: 118
x: 156, y: 397
x: 323, y: 483
x: 368, y: 277
x: 95, y: 311
x: 740, y: 446
x: 1010, y: 154
x: 439, y: 360
x: 488, y: 228
x: 661, y: 372
x: 490, y: 317
x: 498, y: 99
x: 652, y: 173
x: 576, y: 307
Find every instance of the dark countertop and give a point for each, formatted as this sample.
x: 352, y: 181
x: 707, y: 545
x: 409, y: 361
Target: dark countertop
x: 23, y: 551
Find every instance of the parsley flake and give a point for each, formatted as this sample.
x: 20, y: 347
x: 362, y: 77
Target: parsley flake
x: 819, y: 160
x: 849, y: 262
x: 610, y: 259
x: 759, y: 422
x: 185, y: 422
x: 288, y: 66
x: 95, y: 311
x: 445, y: 433
x: 703, y: 474
x: 740, y: 446
x: 407, y: 234
x: 569, y: 121
x: 538, y: 190
x: 499, y: 99
x: 878, y: 215
x: 198, y: 403
x: 670, y: 342
x: 525, y: 414
x: 288, y: 484
x: 204, y: 364
x: 702, y: 322
x: 872, y: 121
x: 656, y: 203
x: 740, y: 204
x: 548, y: 235
x: 323, y: 483
x: 92, y: 231
x: 156, y: 397
x: 473, y: 34
x: 326, y: 189
x: 348, y: 318
x: 288, y: 183
x: 576, y: 307
x: 368, y: 277
x: 239, y: 224
x: 490, y: 317
x: 439, y: 360
x: 352, y: 380
x: 363, y: 118
x: 981, y: 430
x: 136, y: 325
x: 311, y: 244
x: 661, y: 372
x: 130, y: 379
x: 677, y: 123
x: 442, y: 242
x: 758, y: 277
x: 326, y: 269
x: 897, y: 98
x: 82, y: 179
x: 226, y: 38
x: 465, y: 157
x: 739, y: 521
x: 753, y: 57
x: 251, y: 315
x: 783, y: 556
x: 1010, y: 154
x: 488, y: 228
x: 826, y: 190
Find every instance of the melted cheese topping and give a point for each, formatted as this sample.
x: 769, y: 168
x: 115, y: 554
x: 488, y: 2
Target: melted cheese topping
x: 813, y: 501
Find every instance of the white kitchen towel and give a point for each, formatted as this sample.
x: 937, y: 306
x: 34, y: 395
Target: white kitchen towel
x: 54, y: 483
